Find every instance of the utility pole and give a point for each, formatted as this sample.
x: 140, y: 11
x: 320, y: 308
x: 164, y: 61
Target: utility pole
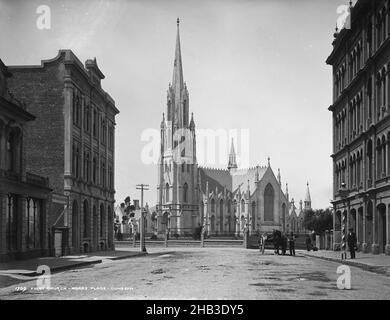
x: 142, y: 187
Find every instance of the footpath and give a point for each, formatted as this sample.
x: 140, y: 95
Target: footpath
x: 378, y: 263
x: 28, y: 268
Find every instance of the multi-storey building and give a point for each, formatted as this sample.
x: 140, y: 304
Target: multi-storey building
x: 361, y: 126
x: 72, y: 142
x: 24, y: 196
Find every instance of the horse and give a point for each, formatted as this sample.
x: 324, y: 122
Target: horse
x: 277, y: 240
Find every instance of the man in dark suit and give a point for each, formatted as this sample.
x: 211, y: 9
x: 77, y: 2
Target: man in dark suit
x: 352, y: 242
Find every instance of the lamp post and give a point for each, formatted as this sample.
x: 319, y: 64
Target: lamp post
x: 142, y: 187
x: 343, y: 194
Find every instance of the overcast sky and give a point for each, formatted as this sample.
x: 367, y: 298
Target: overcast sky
x: 251, y: 65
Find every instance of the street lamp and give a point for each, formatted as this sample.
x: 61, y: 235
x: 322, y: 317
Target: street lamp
x: 142, y: 187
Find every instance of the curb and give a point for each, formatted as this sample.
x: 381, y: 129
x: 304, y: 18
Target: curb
x: 383, y: 270
x: 140, y: 254
x: 63, y: 268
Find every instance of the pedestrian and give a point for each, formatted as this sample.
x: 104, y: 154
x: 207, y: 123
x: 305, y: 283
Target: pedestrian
x: 352, y: 242
x: 284, y: 244
x: 291, y: 243
x: 308, y: 243
x: 260, y: 242
x: 265, y: 237
x: 262, y: 239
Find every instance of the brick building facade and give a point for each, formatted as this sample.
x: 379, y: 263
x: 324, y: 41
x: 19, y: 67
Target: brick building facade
x: 72, y: 142
x: 24, y: 197
x: 361, y: 126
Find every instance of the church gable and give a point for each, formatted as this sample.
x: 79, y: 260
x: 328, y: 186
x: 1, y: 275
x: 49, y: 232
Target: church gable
x: 240, y: 178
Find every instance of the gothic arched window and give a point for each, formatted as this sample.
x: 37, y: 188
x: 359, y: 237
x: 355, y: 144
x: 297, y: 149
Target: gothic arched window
x: 212, y: 205
x: 242, y: 205
x: 185, y: 192
x: 167, y: 192
x: 221, y: 215
x: 269, y: 203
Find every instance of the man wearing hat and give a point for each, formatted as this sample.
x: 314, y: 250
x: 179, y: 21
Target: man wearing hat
x: 352, y: 242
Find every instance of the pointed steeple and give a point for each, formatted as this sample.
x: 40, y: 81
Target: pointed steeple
x: 177, y: 79
x: 287, y: 195
x: 192, y: 122
x: 307, y: 198
x: 163, y: 121
x: 279, y: 177
x: 232, y: 158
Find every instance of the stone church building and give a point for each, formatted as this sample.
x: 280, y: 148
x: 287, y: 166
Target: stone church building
x: 225, y: 201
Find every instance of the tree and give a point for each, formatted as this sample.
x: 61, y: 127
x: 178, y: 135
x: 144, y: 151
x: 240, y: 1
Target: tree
x: 318, y: 220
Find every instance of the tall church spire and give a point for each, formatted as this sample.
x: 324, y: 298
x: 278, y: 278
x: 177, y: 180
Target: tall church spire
x: 232, y: 158
x: 177, y: 79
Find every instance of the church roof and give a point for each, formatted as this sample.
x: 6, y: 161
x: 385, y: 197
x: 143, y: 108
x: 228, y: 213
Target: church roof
x: 223, y: 178
x: 216, y: 177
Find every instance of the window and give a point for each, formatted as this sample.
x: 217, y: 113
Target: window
x: 110, y: 178
x: 94, y: 170
x: 221, y: 215
x: 11, y: 151
x: 101, y: 221
x: 103, y: 131
x: 269, y: 203
x: 242, y: 205
x: 87, y: 118
x: 76, y: 108
x: 86, y: 165
x: 167, y: 193
x: 185, y: 193
x: 33, y: 215
x: 76, y: 160
x: 86, y: 219
x: 95, y: 123
x: 212, y: 205
x: 12, y: 222
x: 103, y: 173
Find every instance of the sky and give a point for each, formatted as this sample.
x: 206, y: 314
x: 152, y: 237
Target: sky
x: 256, y: 67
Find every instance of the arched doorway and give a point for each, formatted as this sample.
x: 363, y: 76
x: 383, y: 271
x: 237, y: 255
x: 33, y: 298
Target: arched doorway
x: 75, y: 226
x: 369, y: 223
x: 85, y: 219
x: 360, y: 226
x: 382, y: 227
x: 352, y: 222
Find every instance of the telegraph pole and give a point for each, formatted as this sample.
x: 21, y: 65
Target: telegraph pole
x: 142, y: 187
